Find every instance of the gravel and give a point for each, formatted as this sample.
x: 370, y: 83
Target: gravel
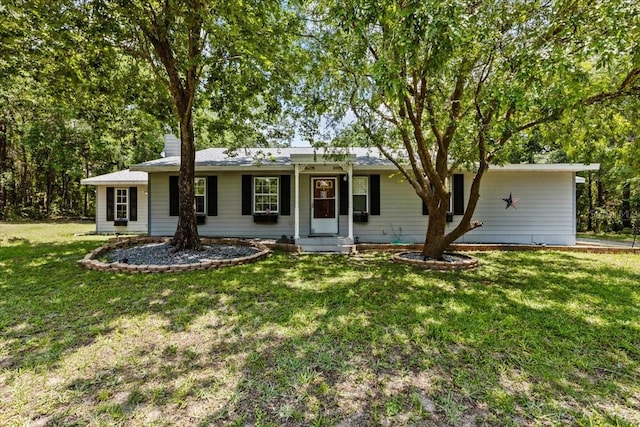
x: 445, y: 257
x: 162, y: 254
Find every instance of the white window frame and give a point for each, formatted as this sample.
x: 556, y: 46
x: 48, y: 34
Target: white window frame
x: 118, y: 192
x: 256, y: 194
x: 366, y: 193
x: 203, y: 195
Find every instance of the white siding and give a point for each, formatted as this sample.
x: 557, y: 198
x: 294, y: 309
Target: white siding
x: 545, y: 212
x: 400, y: 218
x: 229, y: 222
x: 134, y: 227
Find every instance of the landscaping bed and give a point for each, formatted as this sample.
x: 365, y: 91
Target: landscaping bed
x: 155, y: 255
x: 449, y: 261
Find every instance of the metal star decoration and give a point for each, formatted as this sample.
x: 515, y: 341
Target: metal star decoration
x: 511, y: 202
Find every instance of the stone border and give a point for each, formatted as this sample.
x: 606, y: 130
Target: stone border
x: 287, y: 247
x: 91, y: 263
x: 468, y: 263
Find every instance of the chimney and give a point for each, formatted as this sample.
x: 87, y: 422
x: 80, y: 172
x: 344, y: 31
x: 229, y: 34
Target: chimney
x: 171, y: 145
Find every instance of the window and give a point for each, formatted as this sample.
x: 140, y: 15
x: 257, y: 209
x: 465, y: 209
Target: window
x: 360, y: 194
x: 265, y: 194
x: 205, y: 196
x: 200, y: 188
x: 122, y: 203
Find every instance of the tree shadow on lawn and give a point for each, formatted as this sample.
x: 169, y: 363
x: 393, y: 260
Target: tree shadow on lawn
x: 321, y: 340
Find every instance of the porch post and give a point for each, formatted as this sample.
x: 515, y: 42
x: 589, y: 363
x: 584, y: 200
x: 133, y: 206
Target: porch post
x: 350, y: 218
x: 296, y: 210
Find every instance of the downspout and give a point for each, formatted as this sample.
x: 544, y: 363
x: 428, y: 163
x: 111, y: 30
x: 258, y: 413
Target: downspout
x: 350, y: 185
x: 297, y: 202
x: 574, y: 208
x: 148, y: 205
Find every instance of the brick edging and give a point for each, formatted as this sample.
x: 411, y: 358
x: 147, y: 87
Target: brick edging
x: 91, y: 263
x: 467, y: 263
x: 287, y: 247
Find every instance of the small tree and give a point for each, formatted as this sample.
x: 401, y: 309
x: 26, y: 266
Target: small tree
x: 438, y: 86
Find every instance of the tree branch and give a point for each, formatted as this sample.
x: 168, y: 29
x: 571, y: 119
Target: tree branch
x: 432, y: 120
x: 381, y: 147
x: 626, y: 88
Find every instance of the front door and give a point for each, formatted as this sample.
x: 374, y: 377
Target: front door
x: 324, y: 209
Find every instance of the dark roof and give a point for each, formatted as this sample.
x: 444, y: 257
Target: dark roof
x: 284, y: 156
x: 121, y: 177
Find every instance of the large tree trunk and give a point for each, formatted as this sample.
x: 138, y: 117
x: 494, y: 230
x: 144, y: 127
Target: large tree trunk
x: 183, y: 90
x: 437, y: 239
x: 186, y: 236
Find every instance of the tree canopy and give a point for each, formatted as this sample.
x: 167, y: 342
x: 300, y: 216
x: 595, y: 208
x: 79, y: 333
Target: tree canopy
x: 439, y: 86
x: 66, y: 111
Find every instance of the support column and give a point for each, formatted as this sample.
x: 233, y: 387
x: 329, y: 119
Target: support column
x: 296, y: 211
x: 350, y: 218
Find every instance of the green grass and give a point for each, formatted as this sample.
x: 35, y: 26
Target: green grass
x: 530, y: 338
x: 46, y: 232
x: 617, y: 237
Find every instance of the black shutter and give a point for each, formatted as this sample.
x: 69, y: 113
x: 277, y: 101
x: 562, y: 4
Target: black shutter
x: 212, y: 196
x: 110, y: 204
x: 285, y: 194
x: 174, y: 198
x: 246, y: 194
x: 458, y: 194
x: 133, y: 203
x: 344, y: 194
x: 374, y: 192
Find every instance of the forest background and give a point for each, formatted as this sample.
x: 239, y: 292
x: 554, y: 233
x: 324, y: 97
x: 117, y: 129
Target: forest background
x: 74, y: 105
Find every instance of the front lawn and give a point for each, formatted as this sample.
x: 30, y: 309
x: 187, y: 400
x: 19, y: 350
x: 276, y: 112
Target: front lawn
x: 530, y: 338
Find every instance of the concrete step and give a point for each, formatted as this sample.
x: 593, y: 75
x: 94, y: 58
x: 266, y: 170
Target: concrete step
x: 326, y: 244
x: 317, y: 241
x: 324, y: 240
x: 328, y: 249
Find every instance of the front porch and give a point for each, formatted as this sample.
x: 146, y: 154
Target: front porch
x: 317, y: 203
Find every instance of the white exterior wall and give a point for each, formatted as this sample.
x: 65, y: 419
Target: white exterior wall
x: 229, y: 222
x: 545, y: 212
x: 133, y: 227
x: 400, y: 218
